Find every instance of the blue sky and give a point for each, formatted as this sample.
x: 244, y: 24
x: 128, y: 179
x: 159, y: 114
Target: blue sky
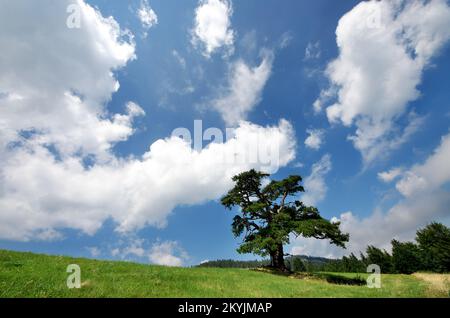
x: 392, y: 87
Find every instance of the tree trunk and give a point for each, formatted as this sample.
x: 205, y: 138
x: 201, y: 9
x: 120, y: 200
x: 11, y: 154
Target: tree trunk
x: 277, y: 258
x: 272, y: 258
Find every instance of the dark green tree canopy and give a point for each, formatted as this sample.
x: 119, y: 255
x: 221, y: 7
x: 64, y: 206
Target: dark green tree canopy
x: 434, y: 245
x: 405, y: 257
x: 270, y: 214
x: 379, y: 257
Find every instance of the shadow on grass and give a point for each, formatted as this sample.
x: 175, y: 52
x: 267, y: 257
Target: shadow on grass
x: 330, y: 278
x: 341, y: 280
x: 10, y: 263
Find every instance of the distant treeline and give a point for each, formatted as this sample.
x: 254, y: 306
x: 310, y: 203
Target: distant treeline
x: 300, y: 263
x: 229, y: 263
x: 429, y: 252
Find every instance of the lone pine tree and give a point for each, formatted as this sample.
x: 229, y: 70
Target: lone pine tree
x: 267, y: 216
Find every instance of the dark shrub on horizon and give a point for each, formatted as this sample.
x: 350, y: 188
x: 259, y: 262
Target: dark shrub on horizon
x: 434, y: 246
x: 405, y: 257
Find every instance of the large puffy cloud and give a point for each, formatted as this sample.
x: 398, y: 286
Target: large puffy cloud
x: 58, y: 169
x: 424, y: 199
x: 212, y: 28
x: 430, y: 175
x: 245, y: 86
x: 401, y: 221
x: 384, y: 47
x: 40, y: 192
x: 55, y: 79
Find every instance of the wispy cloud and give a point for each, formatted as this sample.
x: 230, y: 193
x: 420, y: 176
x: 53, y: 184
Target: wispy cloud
x: 312, y: 51
x: 244, y: 89
x: 147, y: 16
x: 315, y: 185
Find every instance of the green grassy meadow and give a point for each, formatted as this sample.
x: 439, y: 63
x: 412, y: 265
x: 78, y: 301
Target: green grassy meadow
x: 35, y: 275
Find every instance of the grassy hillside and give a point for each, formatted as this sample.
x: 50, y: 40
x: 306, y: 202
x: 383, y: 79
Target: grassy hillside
x: 33, y: 275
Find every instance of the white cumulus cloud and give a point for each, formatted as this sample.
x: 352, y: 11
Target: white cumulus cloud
x: 51, y: 193
x: 58, y: 169
x: 429, y: 176
x: 59, y: 96
x: 212, y: 29
x: 424, y: 199
x: 384, y: 48
x: 314, y: 139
